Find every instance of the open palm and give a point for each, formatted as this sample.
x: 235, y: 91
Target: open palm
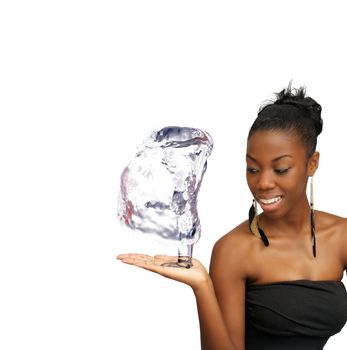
x: 193, y: 276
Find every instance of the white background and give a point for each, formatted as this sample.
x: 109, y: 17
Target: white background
x: 81, y: 84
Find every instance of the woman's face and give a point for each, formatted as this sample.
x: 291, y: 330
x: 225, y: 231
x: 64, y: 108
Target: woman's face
x: 277, y: 171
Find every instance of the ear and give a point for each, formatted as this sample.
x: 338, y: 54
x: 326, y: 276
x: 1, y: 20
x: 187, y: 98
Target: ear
x: 312, y: 164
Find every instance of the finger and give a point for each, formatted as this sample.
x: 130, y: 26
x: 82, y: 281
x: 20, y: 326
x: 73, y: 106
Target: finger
x: 137, y: 259
x: 133, y: 255
x: 150, y: 263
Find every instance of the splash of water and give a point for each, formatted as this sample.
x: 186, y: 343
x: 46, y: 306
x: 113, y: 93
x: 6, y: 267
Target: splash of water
x: 159, y: 187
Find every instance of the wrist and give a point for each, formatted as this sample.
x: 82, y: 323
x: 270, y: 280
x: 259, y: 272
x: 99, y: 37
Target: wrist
x: 204, y: 286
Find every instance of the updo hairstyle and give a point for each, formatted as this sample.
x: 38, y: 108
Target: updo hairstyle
x: 294, y: 112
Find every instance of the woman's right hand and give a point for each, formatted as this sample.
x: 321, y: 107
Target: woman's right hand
x: 195, y: 276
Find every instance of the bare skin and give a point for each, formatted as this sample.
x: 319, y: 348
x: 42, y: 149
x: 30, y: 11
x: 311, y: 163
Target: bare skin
x: 277, y: 171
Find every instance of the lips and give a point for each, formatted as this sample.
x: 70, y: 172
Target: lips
x: 269, y: 203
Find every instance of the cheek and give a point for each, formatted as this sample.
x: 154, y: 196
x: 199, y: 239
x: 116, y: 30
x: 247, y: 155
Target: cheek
x: 249, y: 180
x: 296, y: 183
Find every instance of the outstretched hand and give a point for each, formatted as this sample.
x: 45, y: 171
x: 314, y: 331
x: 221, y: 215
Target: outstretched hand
x: 194, y: 276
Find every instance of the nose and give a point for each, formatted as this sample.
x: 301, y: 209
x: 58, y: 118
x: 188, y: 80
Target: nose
x: 265, y: 181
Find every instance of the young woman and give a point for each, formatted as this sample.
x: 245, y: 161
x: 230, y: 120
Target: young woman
x: 274, y: 280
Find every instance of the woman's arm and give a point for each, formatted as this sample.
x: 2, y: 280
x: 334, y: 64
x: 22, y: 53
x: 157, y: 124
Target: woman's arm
x: 228, y: 271
x: 214, y: 333
x: 213, y: 330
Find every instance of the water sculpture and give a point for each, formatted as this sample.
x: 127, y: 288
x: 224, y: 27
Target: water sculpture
x: 159, y: 187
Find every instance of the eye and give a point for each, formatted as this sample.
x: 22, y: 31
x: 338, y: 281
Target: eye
x: 252, y: 170
x: 281, y: 171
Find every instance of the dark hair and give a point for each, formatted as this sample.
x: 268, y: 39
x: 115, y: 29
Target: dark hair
x: 292, y: 111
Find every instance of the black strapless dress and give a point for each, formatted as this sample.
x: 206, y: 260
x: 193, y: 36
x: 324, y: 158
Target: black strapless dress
x: 294, y: 315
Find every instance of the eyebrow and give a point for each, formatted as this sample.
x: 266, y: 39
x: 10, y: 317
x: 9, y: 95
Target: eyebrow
x: 272, y: 160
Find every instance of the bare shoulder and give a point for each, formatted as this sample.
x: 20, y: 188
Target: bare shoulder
x: 328, y: 221
x: 234, y: 241
x: 234, y: 249
x: 334, y: 231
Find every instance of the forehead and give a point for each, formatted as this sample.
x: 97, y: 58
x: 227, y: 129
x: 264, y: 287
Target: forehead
x: 271, y: 144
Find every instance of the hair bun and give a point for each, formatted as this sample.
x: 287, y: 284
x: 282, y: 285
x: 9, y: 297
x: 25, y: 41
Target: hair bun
x: 297, y: 98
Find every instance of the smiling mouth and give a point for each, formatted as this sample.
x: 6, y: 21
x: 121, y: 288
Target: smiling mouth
x: 269, y: 201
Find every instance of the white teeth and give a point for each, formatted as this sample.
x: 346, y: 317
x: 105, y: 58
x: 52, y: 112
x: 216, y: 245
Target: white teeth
x: 270, y: 201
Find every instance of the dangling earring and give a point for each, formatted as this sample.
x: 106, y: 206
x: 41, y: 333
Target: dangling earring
x: 313, y: 227
x: 253, y: 223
